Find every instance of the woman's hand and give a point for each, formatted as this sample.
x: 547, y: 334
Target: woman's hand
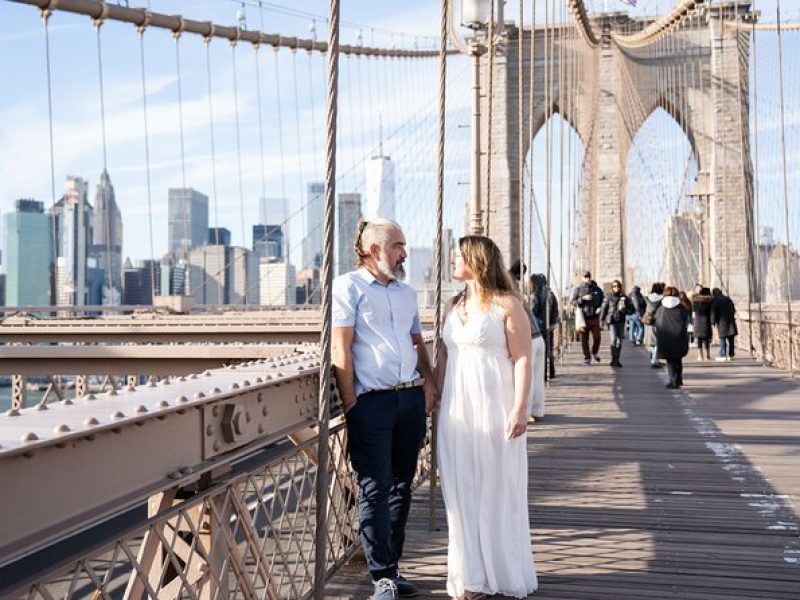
x: 517, y: 423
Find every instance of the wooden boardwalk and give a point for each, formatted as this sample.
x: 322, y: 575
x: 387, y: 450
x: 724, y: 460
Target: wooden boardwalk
x: 637, y: 491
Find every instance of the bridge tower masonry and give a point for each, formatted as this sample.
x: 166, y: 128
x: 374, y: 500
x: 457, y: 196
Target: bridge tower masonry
x: 610, y: 93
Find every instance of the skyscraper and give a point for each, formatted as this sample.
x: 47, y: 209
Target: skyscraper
x: 209, y: 276
x: 106, y: 246
x: 379, y: 188
x: 348, y: 218
x: 268, y: 241
x: 27, y: 254
x: 277, y: 282
x: 188, y: 220
x: 219, y: 236
x: 315, y: 215
x: 74, y: 234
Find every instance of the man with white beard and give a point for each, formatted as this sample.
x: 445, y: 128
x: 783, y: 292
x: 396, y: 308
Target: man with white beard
x: 385, y: 382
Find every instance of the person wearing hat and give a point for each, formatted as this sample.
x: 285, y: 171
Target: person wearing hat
x: 588, y: 297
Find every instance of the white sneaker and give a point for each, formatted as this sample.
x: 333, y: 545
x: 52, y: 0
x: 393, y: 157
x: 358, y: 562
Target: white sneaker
x: 721, y: 359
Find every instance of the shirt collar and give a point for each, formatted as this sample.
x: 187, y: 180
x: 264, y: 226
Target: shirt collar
x: 369, y: 278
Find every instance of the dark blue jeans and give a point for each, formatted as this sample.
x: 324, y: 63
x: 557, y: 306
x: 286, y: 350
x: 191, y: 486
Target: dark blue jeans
x: 385, y: 431
x: 726, y: 346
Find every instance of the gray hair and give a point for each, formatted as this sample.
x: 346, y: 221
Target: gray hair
x: 374, y: 231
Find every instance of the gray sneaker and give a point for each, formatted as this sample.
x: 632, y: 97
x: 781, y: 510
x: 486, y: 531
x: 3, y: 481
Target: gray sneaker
x: 385, y: 589
x: 405, y: 588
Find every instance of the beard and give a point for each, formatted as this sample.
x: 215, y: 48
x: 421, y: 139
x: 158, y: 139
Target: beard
x: 397, y: 271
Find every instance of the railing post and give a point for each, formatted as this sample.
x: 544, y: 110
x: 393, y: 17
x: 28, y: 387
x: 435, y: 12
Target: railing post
x: 19, y: 391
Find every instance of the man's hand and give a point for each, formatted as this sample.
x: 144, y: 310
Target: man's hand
x: 431, y: 397
x: 587, y: 297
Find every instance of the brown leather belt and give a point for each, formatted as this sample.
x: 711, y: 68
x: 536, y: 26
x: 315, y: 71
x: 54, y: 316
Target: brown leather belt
x: 405, y: 385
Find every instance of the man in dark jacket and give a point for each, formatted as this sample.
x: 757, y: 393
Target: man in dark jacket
x: 588, y: 297
x: 544, y: 306
x: 723, y: 317
x: 616, y: 306
x: 634, y: 319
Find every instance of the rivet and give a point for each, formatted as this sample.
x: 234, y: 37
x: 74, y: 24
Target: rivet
x: 300, y: 368
x: 246, y: 383
x: 234, y: 386
x: 259, y: 398
x: 12, y: 412
x: 207, y: 374
x: 215, y: 411
x: 199, y: 395
x: 210, y: 430
x: 193, y: 376
x: 264, y: 410
x: 181, y: 378
x: 216, y: 446
x: 162, y: 404
x: 280, y: 374
x: 117, y: 415
x: 61, y: 429
x: 141, y: 409
x: 175, y: 475
x: 187, y: 471
x: 41, y: 406
x: 268, y: 378
x: 182, y: 399
x: 90, y: 397
x: 90, y: 422
x: 247, y: 416
x: 259, y: 380
x: 67, y: 402
x: 260, y: 428
x: 165, y: 382
x: 216, y: 390
x: 30, y: 437
x: 232, y: 367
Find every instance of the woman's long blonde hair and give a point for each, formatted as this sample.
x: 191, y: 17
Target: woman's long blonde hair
x: 482, y: 256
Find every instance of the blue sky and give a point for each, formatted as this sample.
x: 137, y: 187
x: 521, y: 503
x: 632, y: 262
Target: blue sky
x: 401, y: 92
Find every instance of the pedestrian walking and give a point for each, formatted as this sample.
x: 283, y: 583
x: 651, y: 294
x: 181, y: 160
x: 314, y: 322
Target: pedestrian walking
x: 671, y: 320
x: 588, y: 297
x: 635, y: 326
x: 616, y: 306
x: 723, y: 317
x: 653, y: 302
x: 701, y: 308
x: 544, y: 305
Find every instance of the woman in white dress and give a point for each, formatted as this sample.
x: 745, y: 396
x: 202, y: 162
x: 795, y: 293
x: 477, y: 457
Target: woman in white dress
x: 484, y: 372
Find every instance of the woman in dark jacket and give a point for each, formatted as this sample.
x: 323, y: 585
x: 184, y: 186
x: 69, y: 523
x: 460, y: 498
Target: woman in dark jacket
x: 671, y: 320
x: 723, y: 315
x: 701, y: 307
x: 616, y: 306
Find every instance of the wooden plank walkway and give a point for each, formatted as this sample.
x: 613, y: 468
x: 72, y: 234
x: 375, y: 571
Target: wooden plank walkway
x: 637, y: 491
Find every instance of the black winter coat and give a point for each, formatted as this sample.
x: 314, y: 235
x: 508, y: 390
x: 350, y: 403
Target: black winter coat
x: 589, y: 307
x: 638, y: 302
x: 701, y: 307
x: 723, y: 316
x: 673, y: 338
x: 614, y: 309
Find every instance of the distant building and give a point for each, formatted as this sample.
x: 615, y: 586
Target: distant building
x: 27, y: 255
x: 315, y: 216
x: 2, y: 289
x: 307, y: 282
x: 138, y: 280
x: 209, y: 276
x: 776, y: 275
x: 347, y: 222
x: 379, y: 199
x: 277, y: 284
x: 106, y: 246
x: 420, y: 263
x: 268, y: 242
x: 188, y: 220
x: 681, y: 267
x: 237, y: 278
x: 219, y: 236
x: 74, y: 234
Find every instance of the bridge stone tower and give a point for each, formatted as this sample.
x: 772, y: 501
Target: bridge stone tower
x: 698, y: 74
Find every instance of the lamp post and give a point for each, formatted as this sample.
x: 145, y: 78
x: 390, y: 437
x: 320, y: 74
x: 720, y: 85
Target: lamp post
x: 475, y: 15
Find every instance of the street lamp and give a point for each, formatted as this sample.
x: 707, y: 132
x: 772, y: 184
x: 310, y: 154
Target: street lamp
x: 475, y: 15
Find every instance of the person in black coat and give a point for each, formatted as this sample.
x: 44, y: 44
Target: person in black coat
x: 701, y: 307
x: 588, y: 297
x: 723, y: 317
x: 635, y: 327
x: 671, y: 319
x: 616, y: 306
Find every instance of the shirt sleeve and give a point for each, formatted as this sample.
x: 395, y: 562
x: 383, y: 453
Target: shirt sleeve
x: 344, y: 303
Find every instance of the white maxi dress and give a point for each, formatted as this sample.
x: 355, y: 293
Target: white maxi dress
x: 484, y: 476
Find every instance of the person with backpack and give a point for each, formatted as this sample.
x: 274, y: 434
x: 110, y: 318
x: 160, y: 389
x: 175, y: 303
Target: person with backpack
x: 671, y: 320
x: 701, y: 307
x: 635, y: 326
x: 588, y: 297
x: 653, y: 302
x: 723, y: 317
x: 616, y: 306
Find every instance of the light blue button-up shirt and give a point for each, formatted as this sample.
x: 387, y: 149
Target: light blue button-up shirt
x: 384, y: 318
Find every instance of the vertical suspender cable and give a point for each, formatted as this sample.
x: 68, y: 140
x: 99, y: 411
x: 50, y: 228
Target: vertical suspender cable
x: 46, y: 13
x: 437, y: 252
x: 320, y: 555
x: 207, y: 41
x: 490, y: 99
x: 787, y: 266
x: 238, y: 142
x: 531, y: 109
x: 185, y: 197
x: 759, y: 270
x: 520, y: 150
x: 148, y: 180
